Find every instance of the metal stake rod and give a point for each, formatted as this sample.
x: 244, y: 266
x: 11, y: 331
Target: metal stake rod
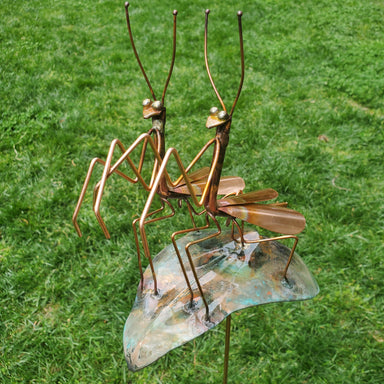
x: 226, y: 352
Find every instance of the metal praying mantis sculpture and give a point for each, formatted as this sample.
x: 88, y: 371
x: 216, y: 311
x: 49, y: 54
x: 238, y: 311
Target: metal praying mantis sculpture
x: 151, y: 109
x: 218, y: 271
x: 155, y: 139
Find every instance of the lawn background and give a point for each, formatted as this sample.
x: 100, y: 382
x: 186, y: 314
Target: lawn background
x: 309, y: 123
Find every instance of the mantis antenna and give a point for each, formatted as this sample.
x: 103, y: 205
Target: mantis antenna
x: 139, y: 61
x: 173, y: 56
x: 239, y: 14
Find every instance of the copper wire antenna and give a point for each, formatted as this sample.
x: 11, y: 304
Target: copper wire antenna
x: 138, y: 58
x: 239, y: 15
x: 173, y: 56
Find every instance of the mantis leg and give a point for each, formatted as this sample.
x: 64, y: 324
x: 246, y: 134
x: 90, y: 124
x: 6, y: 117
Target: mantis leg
x: 84, y: 190
x: 125, y: 156
x: 239, y: 229
x: 163, y: 202
x: 113, y: 169
x: 192, y: 212
x: 296, y: 240
x: 99, y: 188
x: 163, y: 174
x: 108, y: 170
x: 173, y: 237
x: 190, y: 260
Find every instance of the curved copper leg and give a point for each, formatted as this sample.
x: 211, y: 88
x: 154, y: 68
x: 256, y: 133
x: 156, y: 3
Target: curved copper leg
x: 137, y: 238
x: 113, y: 169
x: 188, y: 253
x: 142, y: 222
x: 192, y: 212
x: 161, y: 174
x: 279, y: 238
x: 99, y: 188
x: 146, y: 138
x: 290, y: 256
x: 108, y: 170
x: 240, y: 230
x: 173, y: 238
x: 84, y: 190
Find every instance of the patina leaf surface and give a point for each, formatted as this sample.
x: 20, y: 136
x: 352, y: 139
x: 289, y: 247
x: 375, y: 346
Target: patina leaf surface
x: 233, y: 278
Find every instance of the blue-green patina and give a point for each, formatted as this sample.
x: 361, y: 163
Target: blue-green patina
x: 232, y: 277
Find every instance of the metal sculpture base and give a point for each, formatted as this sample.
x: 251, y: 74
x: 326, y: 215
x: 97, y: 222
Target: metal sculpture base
x: 232, y: 277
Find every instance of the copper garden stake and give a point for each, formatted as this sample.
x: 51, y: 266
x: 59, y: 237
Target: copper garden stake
x: 218, y: 271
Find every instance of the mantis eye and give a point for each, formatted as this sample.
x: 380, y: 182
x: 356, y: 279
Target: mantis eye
x: 146, y: 102
x: 156, y: 105
x: 213, y: 111
x: 216, y: 118
x: 222, y: 115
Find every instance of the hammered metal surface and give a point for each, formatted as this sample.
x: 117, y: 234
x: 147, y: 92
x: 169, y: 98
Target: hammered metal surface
x: 233, y: 278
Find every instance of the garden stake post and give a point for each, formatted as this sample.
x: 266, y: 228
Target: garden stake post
x: 227, y: 347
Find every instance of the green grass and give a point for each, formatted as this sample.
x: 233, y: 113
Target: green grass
x: 69, y: 84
